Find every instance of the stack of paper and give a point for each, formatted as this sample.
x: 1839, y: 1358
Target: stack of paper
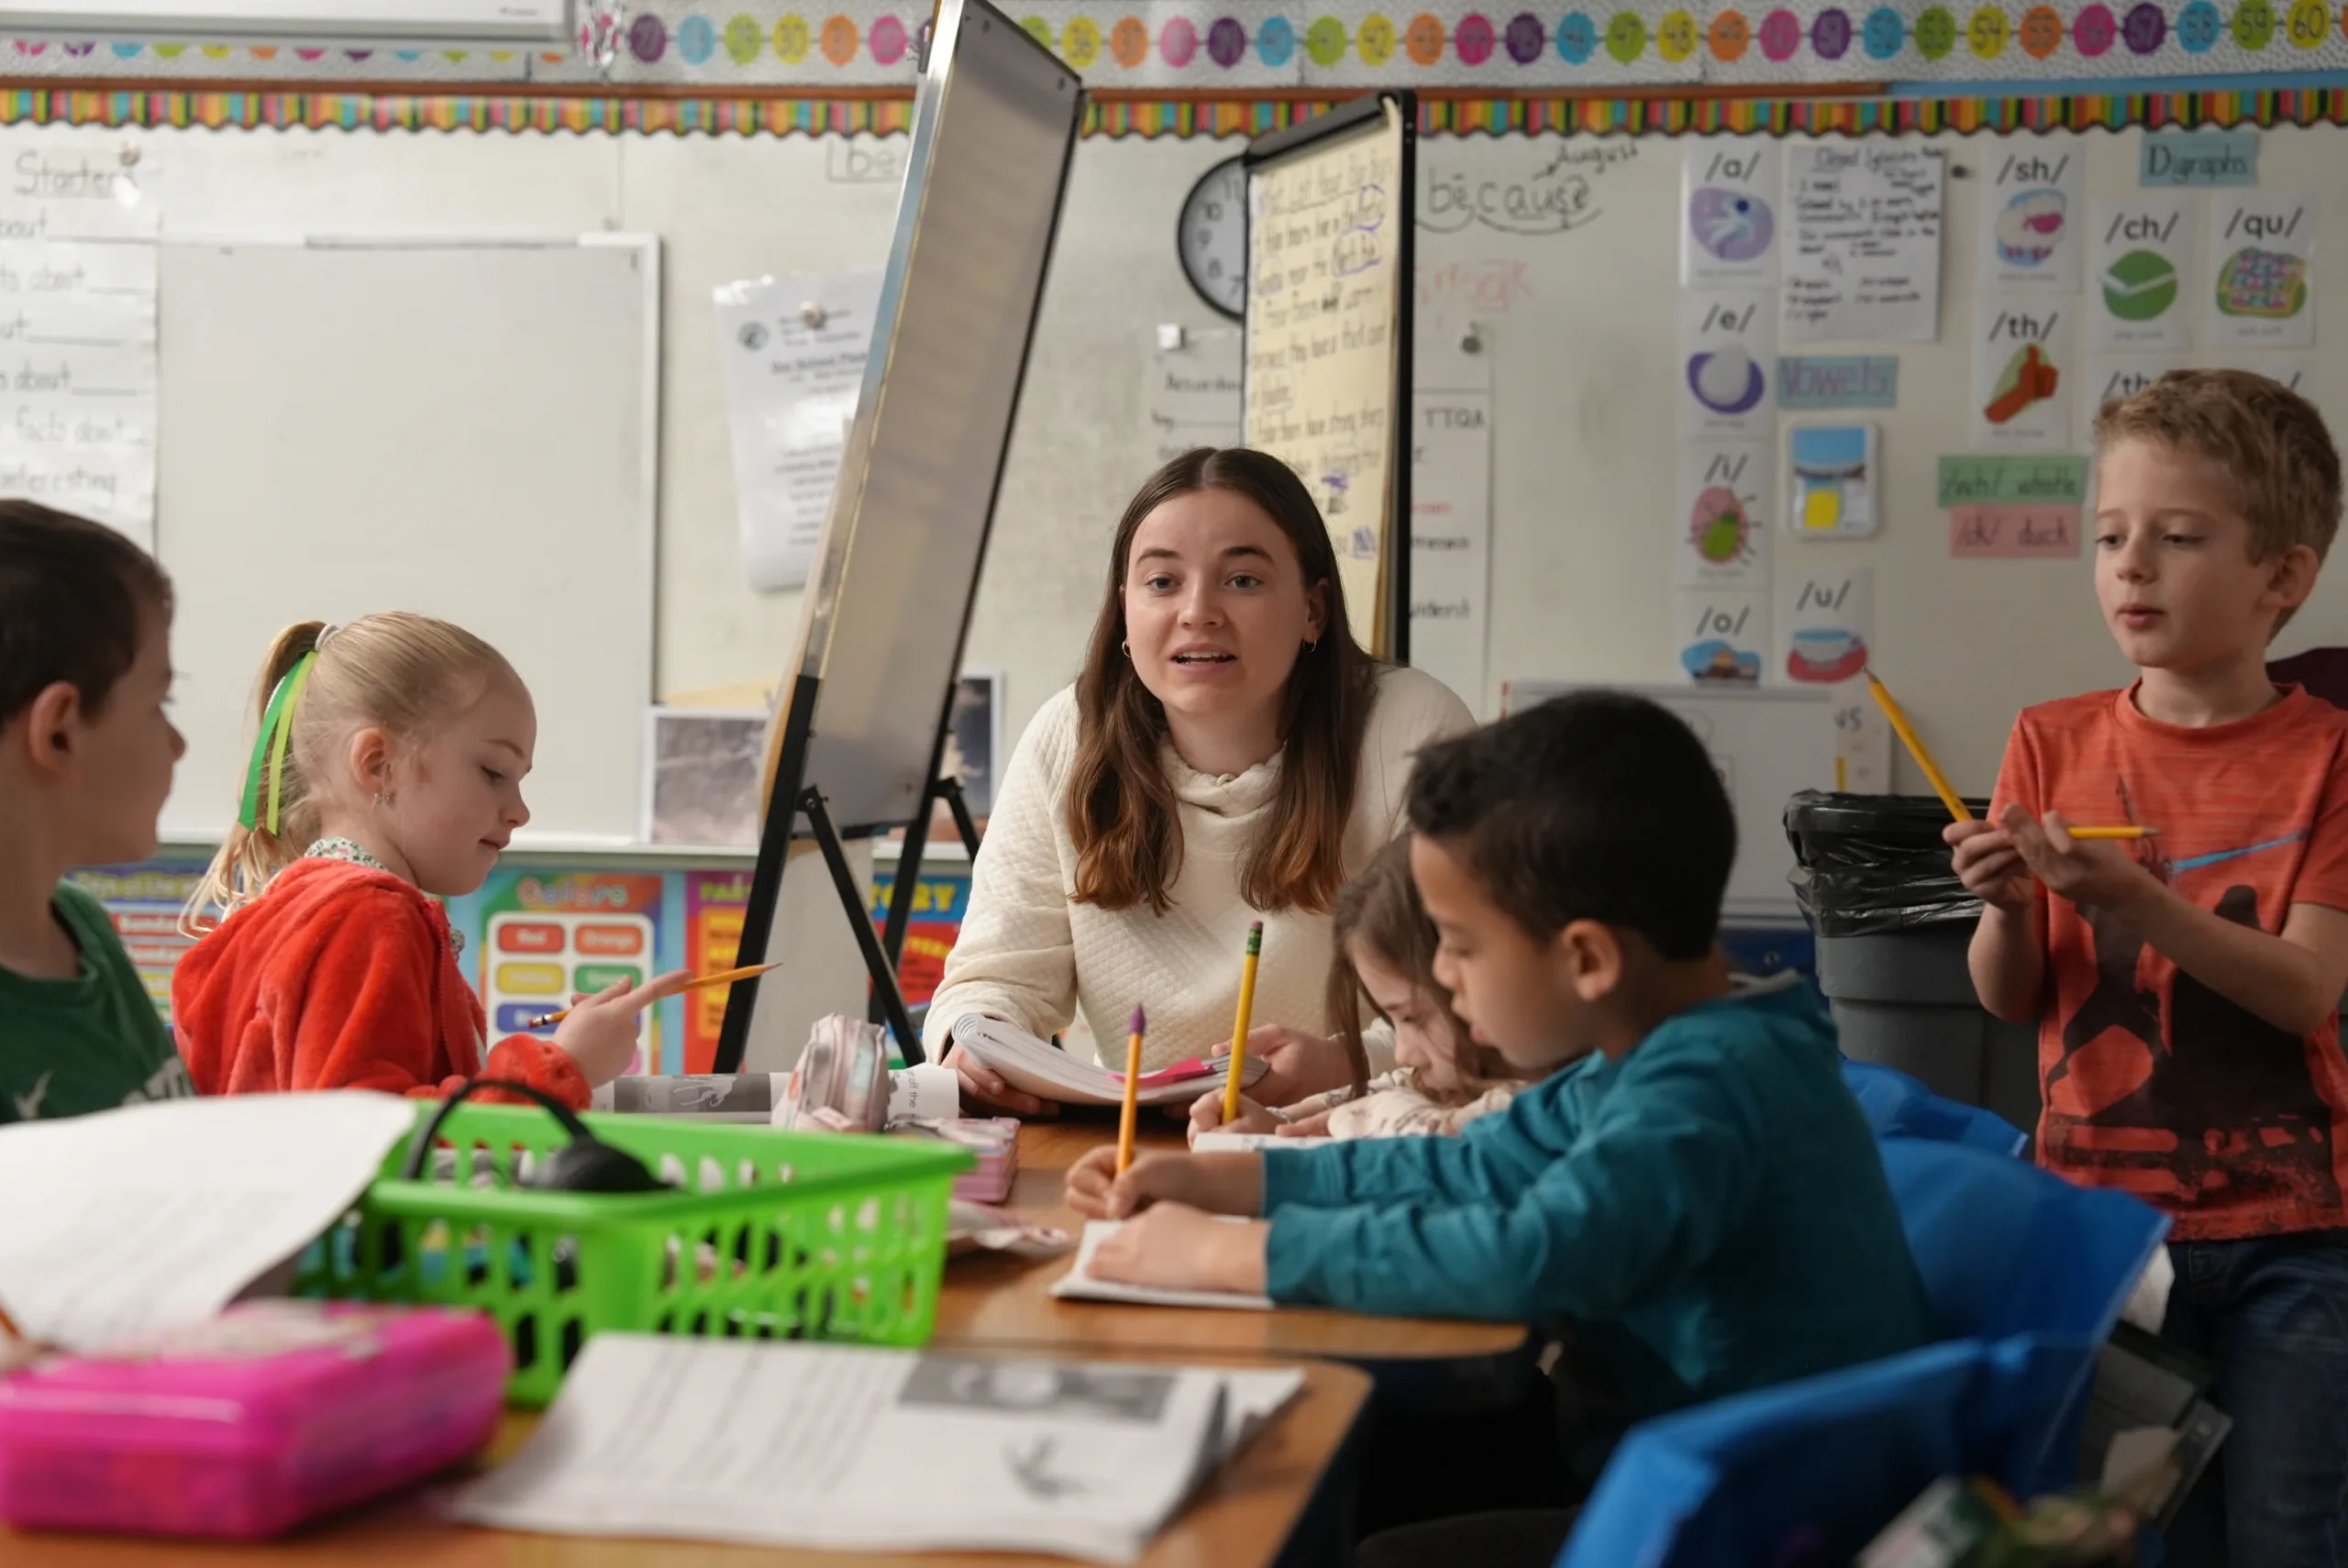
x: 801, y: 1445
x: 1044, y: 1070
x: 155, y: 1216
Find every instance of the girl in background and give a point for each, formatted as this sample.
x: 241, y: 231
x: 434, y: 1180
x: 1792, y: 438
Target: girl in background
x: 1385, y: 955
x: 386, y: 776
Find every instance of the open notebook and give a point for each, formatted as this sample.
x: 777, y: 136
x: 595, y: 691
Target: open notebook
x: 1049, y: 1073
x: 803, y: 1445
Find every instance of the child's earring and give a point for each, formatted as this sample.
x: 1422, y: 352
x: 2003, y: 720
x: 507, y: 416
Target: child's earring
x: 382, y: 798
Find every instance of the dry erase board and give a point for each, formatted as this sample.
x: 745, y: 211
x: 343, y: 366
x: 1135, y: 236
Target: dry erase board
x: 464, y: 429
x: 1770, y: 746
x: 1328, y: 365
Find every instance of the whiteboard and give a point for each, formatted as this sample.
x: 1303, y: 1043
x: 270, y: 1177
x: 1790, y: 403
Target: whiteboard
x: 463, y: 429
x: 1770, y: 746
x: 1328, y: 369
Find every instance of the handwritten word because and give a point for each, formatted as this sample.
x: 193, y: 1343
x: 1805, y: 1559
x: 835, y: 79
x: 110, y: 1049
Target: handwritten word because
x: 1543, y: 203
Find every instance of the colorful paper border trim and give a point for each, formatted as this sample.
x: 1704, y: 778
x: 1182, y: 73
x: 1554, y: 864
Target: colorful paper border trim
x: 1442, y: 117
x: 1227, y: 45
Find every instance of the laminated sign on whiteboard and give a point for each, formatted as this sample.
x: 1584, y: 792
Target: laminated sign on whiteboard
x: 2144, y: 256
x: 1728, y: 362
x: 2031, y: 209
x: 1723, y: 638
x: 1823, y: 626
x: 2022, y: 371
x: 1721, y: 529
x: 794, y: 351
x: 1730, y: 188
x: 2262, y: 270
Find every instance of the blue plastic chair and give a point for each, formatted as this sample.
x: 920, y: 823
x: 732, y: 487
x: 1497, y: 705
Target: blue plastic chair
x: 1811, y: 1471
x: 1899, y: 1106
x: 2026, y: 1274
x: 2006, y: 1248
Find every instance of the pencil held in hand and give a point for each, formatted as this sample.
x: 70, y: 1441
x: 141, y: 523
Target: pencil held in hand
x: 1239, y: 1025
x: 699, y: 983
x: 2128, y: 834
x: 1941, y: 786
x: 1133, y: 1089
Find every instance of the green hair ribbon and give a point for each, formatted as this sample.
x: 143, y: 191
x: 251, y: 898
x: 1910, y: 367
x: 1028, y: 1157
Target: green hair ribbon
x: 269, y: 746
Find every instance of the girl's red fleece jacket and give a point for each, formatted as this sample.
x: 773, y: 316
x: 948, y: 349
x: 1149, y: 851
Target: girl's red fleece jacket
x: 341, y: 976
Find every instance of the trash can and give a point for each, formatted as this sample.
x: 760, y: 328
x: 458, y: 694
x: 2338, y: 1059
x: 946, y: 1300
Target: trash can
x: 1892, y: 925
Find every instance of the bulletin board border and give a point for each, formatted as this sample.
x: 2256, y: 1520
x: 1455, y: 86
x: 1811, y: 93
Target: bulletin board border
x: 883, y: 113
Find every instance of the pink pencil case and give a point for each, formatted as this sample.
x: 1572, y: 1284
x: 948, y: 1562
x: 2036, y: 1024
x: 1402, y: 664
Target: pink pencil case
x: 245, y: 1426
x: 995, y: 1141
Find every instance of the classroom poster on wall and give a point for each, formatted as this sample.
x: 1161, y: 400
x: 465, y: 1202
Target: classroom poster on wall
x: 549, y: 936
x: 2031, y: 206
x: 1862, y: 258
x: 145, y: 903
x: 1723, y: 638
x: 1721, y: 529
x: 2021, y: 365
x: 1451, y: 536
x: 1821, y: 624
x: 2260, y: 260
x: 940, y: 899
x: 1837, y: 475
x: 78, y: 374
x: 1729, y: 190
x: 1728, y: 362
x: 2140, y: 297
x: 714, y: 906
x: 794, y: 351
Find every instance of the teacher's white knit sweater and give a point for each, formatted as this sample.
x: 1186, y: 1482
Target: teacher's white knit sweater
x: 1028, y: 954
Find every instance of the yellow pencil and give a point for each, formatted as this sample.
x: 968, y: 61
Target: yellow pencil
x: 1941, y: 786
x: 2119, y: 832
x: 1240, y: 1028
x: 698, y: 983
x: 1133, y: 1092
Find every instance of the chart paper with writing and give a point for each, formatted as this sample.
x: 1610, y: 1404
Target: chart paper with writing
x: 1323, y: 309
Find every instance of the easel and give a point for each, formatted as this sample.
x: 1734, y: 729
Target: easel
x: 873, y: 633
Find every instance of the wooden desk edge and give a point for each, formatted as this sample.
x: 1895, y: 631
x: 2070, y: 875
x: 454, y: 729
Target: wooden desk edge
x: 1255, y: 1502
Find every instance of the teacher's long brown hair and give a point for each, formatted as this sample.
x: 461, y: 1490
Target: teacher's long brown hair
x: 1121, y: 808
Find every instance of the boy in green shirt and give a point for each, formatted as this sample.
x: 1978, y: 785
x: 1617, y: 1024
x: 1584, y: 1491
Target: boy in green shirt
x: 86, y: 754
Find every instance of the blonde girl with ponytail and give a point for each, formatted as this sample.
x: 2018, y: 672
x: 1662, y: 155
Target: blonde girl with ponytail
x: 386, y: 775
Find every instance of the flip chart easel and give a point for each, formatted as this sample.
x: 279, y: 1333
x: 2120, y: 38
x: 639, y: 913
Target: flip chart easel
x: 860, y: 743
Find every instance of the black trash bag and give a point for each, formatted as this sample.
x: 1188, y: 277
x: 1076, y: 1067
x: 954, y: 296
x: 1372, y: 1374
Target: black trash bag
x: 1867, y: 865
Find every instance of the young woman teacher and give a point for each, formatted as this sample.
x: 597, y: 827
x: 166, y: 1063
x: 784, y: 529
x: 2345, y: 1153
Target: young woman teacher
x: 1228, y: 754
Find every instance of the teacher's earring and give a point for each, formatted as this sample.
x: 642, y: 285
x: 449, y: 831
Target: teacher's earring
x: 1128, y: 648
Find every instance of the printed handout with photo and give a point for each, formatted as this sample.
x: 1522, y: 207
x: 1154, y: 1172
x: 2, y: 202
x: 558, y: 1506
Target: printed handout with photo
x: 705, y: 768
x: 973, y: 745
x: 1039, y: 1388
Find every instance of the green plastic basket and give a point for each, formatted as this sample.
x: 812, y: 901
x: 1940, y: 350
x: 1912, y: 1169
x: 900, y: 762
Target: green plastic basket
x: 775, y: 1235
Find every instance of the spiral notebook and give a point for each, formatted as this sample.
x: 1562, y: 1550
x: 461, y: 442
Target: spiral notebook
x: 1049, y: 1073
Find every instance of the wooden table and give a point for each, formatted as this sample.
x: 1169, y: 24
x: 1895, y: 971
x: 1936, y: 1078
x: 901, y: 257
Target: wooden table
x: 999, y: 1302
x: 1241, y: 1520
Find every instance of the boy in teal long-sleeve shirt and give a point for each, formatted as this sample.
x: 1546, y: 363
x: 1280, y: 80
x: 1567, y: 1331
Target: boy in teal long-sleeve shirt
x: 1693, y: 1184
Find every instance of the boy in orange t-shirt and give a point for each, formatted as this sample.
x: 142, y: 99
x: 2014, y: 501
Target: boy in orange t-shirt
x: 2187, y: 987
